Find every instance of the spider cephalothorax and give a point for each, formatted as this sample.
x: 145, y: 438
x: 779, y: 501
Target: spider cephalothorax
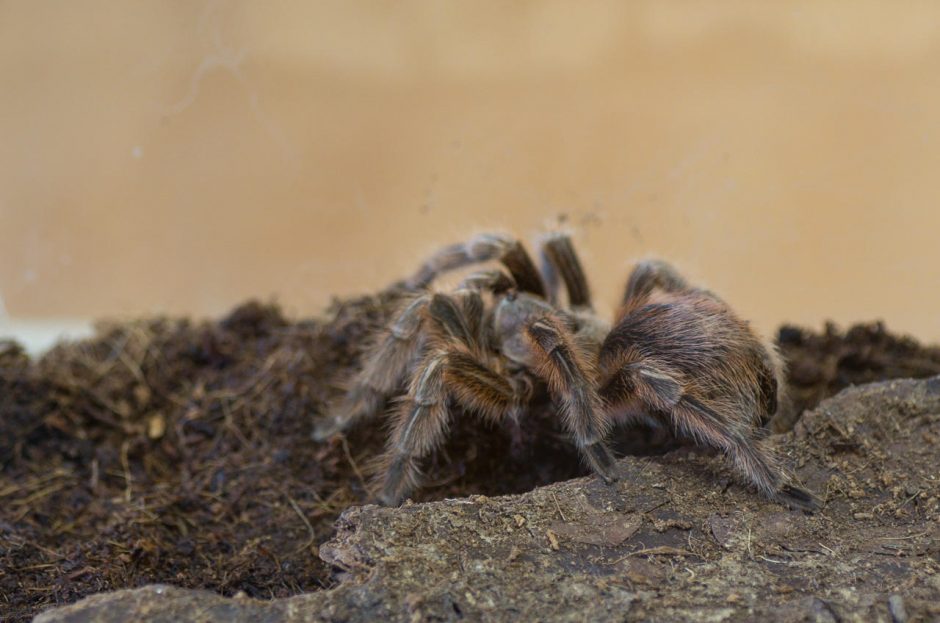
x: 677, y: 356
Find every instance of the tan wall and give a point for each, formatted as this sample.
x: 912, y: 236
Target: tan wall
x: 181, y: 156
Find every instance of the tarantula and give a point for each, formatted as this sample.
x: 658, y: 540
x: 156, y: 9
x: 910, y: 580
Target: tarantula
x: 677, y: 356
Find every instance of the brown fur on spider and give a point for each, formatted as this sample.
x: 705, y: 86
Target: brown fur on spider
x: 677, y: 356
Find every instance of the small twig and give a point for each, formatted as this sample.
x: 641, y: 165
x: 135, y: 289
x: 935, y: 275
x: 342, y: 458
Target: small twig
x: 860, y: 468
x: 134, y: 367
x: 40, y: 494
x: 352, y: 462
x: 662, y: 550
x: 126, y: 465
x: 558, y: 508
x: 657, y: 506
x: 800, y: 550
x: 231, y: 425
x: 303, y: 518
x: 15, y: 487
x: 904, y: 538
x: 905, y: 502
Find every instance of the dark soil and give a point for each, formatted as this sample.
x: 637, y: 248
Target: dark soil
x: 179, y: 452
x: 822, y: 364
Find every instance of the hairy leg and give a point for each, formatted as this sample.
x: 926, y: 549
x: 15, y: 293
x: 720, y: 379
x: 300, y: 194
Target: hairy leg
x: 423, y: 417
x: 784, y: 417
x: 571, y: 382
x: 420, y: 426
x: 560, y: 260
x: 396, y: 351
x: 449, y: 316
x: 698, y: 421
x: 657, y: 390
x: 495, y: 281
x: 385, y: 367
x: 482, y: 248
x: 454, y: 367
x: 747, y: 453
x: 651, y: 275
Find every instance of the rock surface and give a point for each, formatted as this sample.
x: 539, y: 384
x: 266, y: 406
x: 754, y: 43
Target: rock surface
x: 674, y: 540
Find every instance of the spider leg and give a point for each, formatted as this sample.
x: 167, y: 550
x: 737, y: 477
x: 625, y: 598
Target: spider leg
x: 636, y: 382
x: 560, y: 260
x: 449, y: 316
x: 694, y: 419
x: 650, y: 275
x: 453, y: 369
x: 385, y: 367
x: 769, y: 377
x: 747, y: 452
x: 423, y: 417
x: 657, y: 390
x: 570, y: 380
x: 420, y: 427
x: 478, y: 388
x: 495, y: 281
x: 780, y: 412
x: 482, y: 248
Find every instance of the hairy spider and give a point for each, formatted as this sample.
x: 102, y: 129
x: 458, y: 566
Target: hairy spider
x: 677, y: 356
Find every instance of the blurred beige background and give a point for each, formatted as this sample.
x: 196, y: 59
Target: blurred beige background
x: 179, y: 157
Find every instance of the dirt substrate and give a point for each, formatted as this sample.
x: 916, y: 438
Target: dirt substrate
x: 179, y: 452
x: 672, y: 540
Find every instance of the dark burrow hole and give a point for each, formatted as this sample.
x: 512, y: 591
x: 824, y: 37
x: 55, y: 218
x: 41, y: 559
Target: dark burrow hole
x: 179, y: 452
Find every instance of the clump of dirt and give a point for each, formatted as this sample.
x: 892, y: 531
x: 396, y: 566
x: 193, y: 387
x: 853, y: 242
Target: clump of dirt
x: 822, y: 364
x: 179, y: 452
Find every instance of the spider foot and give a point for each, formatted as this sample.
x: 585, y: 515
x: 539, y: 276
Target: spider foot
x: 601, y: 460
x: 795, y: 498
